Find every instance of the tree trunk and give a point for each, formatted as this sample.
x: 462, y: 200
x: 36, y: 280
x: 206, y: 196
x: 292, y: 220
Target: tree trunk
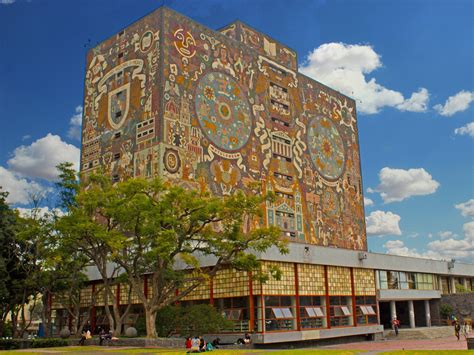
x: 150, y: 319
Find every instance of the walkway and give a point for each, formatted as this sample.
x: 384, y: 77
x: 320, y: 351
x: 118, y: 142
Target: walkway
x: 449, y: 343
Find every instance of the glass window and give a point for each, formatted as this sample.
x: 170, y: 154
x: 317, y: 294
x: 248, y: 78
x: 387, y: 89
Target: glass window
x: 235, y: 309
x: 366, y: 310
x: 392, y: 279
x: 312, y: 312
x: 279, y: 313
x: 383, y: 280
x: 340, y: 311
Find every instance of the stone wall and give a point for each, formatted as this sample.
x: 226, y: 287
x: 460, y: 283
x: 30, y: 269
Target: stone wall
x: 462, y: 303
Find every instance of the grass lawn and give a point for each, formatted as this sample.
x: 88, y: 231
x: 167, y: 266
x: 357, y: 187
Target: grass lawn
x: 114, y: 350
x: 425, y: 352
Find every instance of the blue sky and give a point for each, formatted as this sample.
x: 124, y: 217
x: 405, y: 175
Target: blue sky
x: 409, y: 64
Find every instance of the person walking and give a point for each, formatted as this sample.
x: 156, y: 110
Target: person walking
x: 457, y: 329
x: 395, y: 325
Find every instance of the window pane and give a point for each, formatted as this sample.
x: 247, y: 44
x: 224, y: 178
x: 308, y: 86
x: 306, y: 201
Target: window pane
x: 287, y: 313
x: 346, y: 311
x: 319, y: 312
x: 277, y: 312
x: 370, y: 311
x: 310, y: 312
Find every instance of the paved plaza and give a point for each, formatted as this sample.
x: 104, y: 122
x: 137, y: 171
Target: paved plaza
x: 449, y: 343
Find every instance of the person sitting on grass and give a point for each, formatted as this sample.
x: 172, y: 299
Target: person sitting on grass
x: 194, y: 345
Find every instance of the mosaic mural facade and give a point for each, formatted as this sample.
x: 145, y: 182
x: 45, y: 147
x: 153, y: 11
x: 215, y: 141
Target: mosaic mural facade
x: 220, y: 111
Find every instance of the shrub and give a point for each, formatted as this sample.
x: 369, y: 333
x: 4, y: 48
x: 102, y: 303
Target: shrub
x: 48, y: 343
x: 445, y: 310
x: 196, y: 319
x: 9, y: 344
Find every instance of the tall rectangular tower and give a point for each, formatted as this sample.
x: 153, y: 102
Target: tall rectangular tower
x: 220, y: 111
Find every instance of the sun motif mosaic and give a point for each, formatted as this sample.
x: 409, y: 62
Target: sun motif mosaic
x: 223, y: 111
x: 326, y: 148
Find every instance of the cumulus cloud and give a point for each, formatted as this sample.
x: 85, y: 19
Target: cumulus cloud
x: 444, y: 249
x: 345, y: 67
x: 397, y: 247
x: 466, y: 208
x: 40, y: 158
x: 447, y: 234
x: 39, y: 212
x: 75, y: 124
x: 468, y: 129
x: 383, y: 223
x: 19, y: 188
x: 6, y: 2
x: 461, y: 249
x: 398, y: 184
x: 454, y: 104
x: 418, y: 102
x: 368, y: 202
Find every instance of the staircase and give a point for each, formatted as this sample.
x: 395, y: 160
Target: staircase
x: 420, y: 333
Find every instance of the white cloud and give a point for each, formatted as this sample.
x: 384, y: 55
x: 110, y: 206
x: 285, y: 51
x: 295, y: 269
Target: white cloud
x: 459, y: 249
x: 397, y: 247
x: 25, y: 137
x: 418, y: 102
x: 345, y: 67
x: 468, y: 129
x: 368, y: 202
x: 75, y: 125
x: 457, y: 103
x: 6, y: 2
x: 39, y: 212
x: 447, y: 234
x: 383, y: 223
x: 399, y: 184
x: 20, y: 189
x: 39, y: 159
x: 466, y: 208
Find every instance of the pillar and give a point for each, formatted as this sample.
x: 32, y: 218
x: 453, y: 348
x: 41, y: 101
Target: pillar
x: 411, y: 313
x: 427, y: 313
x: 393, y: 309
x: 452, y: 283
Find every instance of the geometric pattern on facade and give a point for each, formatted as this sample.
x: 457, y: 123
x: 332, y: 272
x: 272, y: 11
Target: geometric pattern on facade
x: 221, y: 111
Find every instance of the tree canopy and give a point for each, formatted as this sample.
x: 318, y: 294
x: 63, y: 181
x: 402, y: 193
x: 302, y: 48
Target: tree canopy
x: 153, y: 230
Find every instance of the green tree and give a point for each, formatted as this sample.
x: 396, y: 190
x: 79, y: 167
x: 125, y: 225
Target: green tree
x: 83, y: 232
x: 147, y: 227
x: 12, y: 275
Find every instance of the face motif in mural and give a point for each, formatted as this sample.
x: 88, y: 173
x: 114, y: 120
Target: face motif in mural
x: 223, y: 111
x: 184, y: 43
x: 326, y: 148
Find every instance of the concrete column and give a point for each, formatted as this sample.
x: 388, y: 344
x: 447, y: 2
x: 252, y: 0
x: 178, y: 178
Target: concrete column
x: 393, y: 309
x: 465, y: 283
x: 427, y: 313
x: 411, y: 313
x: 452, y: 283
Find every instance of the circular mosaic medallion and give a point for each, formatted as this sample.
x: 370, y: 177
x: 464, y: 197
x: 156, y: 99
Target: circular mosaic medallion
x: 326, y: 148
x: 171, y: 160
x: 223, y: 111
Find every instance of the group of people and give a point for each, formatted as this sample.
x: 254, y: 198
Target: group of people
x: 463, y: 329
x: 87, y: 334
x: 198, y: 344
